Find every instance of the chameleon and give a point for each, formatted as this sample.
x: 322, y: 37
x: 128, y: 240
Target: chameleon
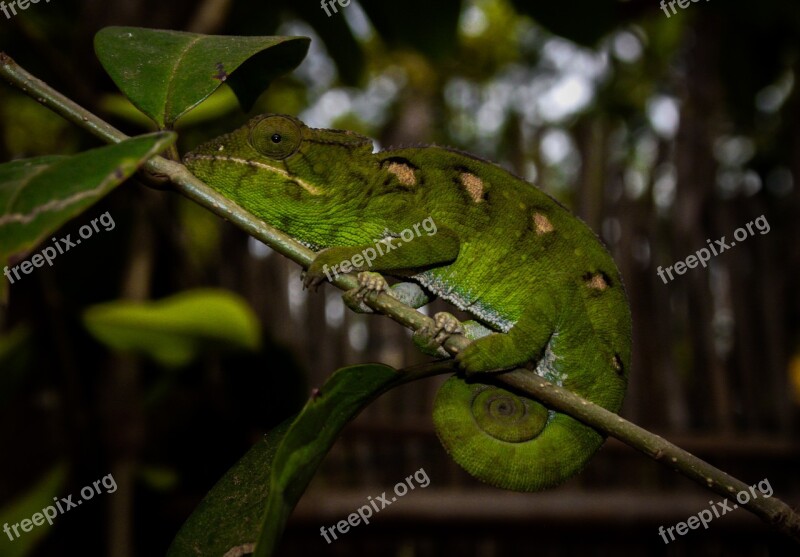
x: 543, y: 291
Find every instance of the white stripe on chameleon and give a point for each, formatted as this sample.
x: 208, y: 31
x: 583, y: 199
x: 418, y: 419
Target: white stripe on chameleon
x: 446, y: 292
x: 545, y: 367
x: 313, y: 190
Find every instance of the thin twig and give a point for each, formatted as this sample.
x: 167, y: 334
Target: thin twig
x: 772, y: 510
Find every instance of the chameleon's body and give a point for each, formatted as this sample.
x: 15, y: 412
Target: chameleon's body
x: 503, y: 251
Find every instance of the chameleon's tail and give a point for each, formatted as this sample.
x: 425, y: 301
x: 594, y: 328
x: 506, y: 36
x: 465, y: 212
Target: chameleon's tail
x: 510, y: 441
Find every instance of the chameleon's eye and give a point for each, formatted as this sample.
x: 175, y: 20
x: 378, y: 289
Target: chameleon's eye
x: 276, y: 137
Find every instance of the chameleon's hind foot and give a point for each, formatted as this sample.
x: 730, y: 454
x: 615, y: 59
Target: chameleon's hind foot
x: 487, y: 354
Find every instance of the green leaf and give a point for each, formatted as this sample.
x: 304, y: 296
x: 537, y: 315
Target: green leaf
x: 34, y: 501
x: 229, y: 515
x: 174, y: 330
x: 219, y: 104
x: 167, y: 73
x: 277, y: 471
x: 37, y: 196
x: 311, y: 436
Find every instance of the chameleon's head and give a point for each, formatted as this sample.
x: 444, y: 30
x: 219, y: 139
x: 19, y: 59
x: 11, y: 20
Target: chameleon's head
x: 284, y: 172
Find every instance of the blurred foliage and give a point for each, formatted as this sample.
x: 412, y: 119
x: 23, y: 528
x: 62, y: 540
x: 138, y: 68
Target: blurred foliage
x: 176, y: 330
x: 34, y: 501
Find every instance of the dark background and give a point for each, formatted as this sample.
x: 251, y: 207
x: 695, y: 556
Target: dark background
x: 660, y: 132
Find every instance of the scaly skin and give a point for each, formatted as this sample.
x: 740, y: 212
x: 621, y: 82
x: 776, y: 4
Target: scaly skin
x: 502, y: 250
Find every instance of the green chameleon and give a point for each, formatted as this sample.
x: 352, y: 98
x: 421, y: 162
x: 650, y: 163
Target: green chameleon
x: 544, y: 291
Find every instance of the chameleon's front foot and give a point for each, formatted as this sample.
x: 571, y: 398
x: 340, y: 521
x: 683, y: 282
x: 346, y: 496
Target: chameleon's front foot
x: 429, y: 340
x: 368, y: 283
x: 321, y: 269
x: 312, y: 279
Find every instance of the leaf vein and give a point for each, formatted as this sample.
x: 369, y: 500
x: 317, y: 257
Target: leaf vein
x: 172, y: 74
x: 54, y: 205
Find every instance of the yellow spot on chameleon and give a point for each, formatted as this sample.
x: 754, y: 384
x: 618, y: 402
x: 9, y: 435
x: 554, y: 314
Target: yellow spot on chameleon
x: 405, y: 174
x: 597, y: 282
x: 473, y: 185
x: 541, y: 224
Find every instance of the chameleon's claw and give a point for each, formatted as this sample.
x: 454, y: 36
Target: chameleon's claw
x: 311, y: 281
x: 430, y: 340
x: 446, y: 325
x: 368, y: 283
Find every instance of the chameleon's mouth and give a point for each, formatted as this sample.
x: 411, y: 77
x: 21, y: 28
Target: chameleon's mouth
x: 197, y: 155
x: 193, y: 157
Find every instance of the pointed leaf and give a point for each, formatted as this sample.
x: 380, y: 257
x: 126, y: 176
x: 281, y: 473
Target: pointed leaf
x: 174, y: 330
x: 34, y: 501
x: 276, y: 473
x: 167, y: 73
x: 230, y: 514
x: 311, y: 436
x: 37, y: 196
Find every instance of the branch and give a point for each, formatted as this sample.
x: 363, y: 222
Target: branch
x: 772, y: 510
